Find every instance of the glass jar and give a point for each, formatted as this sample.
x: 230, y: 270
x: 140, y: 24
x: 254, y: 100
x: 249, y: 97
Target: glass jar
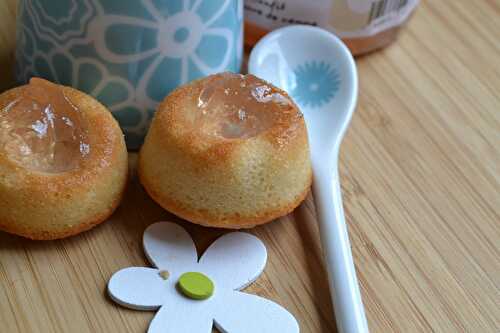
x: 364, y: 25
x: 362, y: 45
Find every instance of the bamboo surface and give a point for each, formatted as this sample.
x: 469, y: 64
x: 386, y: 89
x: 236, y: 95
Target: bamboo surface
x: 420, y: 172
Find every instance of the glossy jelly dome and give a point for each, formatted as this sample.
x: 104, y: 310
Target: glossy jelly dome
x: 42, y: 130
x: 234, y: 106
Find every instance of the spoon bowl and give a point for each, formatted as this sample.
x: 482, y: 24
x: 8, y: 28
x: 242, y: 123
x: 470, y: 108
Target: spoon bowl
x: 317, y: 70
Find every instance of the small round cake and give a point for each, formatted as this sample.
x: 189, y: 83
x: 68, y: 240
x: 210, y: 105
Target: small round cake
x: 227, y: 151
x: 63, y: 161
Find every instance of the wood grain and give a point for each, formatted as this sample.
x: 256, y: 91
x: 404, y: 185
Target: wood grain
x: 420, y: 170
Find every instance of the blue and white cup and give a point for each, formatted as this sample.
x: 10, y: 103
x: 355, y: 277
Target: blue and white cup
x: 129, y: 54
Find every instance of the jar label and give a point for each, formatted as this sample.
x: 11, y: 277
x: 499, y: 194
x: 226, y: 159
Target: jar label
x: 346, y: 18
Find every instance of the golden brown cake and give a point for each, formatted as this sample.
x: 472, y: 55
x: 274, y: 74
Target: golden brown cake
x: 63, y: 161
x: 227, y: 151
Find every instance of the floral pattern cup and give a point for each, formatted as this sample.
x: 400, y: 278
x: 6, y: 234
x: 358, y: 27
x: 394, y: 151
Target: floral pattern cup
x: 129, y: 54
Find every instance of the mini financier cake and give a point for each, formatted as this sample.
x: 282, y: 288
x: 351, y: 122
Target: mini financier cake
x: 63, y: 161
x: 227, y: 151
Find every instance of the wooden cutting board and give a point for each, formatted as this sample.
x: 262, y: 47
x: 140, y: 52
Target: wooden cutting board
x: 420, y: 171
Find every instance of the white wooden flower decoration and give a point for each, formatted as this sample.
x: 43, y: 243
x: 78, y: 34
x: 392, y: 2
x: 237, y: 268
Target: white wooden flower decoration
x: 193, y: 295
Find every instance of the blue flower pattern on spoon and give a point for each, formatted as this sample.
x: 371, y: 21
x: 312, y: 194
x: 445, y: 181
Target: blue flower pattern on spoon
x: 316, y: 84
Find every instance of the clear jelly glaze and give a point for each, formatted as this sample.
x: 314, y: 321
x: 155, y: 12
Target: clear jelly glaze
x: 42, y: 130
x: 235, y: 106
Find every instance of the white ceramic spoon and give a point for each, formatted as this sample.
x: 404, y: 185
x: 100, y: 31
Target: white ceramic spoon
x: 319, y: 73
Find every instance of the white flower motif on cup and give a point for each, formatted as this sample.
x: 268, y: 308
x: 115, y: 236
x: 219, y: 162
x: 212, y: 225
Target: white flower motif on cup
x: 59, y: 21
x: 85, y: 74
x: 171, y: 41
x: 25, y: 51
x: 230, y: 264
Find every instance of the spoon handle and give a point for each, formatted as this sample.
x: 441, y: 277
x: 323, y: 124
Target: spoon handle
x: 348, y: 306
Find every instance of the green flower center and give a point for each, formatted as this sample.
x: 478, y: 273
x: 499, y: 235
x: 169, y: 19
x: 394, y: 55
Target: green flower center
x: 196, y: 285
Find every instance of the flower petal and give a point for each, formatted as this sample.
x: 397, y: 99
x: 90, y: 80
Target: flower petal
x: 211, y: 11
x: 138, y: 288
x: 165, y: 78
x: 182, y: 319
x: 94, y: 78
x: 168, y: 246
x: 172, y: 319
x: 212, y: 47
x: 245, y: 313
x: 115, y: 93
x: 212, y: 59
x: 234, y: 260
x: 113, y: 34
x: 119, y: 38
